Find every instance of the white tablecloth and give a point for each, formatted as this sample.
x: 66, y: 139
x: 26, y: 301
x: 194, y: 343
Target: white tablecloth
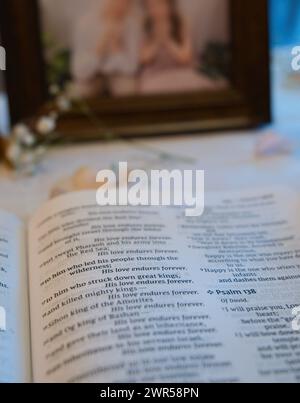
x: 228, y: 160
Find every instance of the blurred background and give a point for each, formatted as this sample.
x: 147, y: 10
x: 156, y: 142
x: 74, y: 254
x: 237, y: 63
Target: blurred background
x: 284, y: 22
x: 284, y: 33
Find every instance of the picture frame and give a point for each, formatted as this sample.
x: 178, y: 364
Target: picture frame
x: 245, y: 104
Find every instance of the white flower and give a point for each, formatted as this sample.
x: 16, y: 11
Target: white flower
x: 46, y: 125
x: 13, y: 153
x: 23, y: 135
x: 63, y: 103
x: 20, y: 130
x: 28, y: 139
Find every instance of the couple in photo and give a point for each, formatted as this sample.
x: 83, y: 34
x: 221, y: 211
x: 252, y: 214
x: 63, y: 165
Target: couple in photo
x: 139, y: 47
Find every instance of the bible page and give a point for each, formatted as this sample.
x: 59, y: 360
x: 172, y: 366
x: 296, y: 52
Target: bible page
x: 15, y: 363
x: 123, y: 294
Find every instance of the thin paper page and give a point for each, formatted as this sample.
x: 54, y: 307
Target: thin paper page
x: 15, y: 365
x: 146, y: 294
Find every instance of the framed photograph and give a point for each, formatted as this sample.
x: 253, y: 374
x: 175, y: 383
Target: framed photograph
x: 143, y: 66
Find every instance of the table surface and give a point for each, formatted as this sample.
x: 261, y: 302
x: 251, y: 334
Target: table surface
x: 228, y: 158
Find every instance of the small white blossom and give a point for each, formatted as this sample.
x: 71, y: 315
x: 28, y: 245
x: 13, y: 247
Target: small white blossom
x: 46, y: 125
x: 63, y: 103
x: 13, y: 153
x: 20, y: 130
x: 23, y: 135
x: 28, y: 139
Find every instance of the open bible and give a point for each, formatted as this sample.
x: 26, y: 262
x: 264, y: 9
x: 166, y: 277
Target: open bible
x: 145, y: 294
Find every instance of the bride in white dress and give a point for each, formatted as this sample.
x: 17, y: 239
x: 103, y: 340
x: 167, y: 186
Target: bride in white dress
x: 106, y: 49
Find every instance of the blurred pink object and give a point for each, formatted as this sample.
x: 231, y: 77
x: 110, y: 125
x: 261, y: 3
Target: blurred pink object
x: 270, y: 144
